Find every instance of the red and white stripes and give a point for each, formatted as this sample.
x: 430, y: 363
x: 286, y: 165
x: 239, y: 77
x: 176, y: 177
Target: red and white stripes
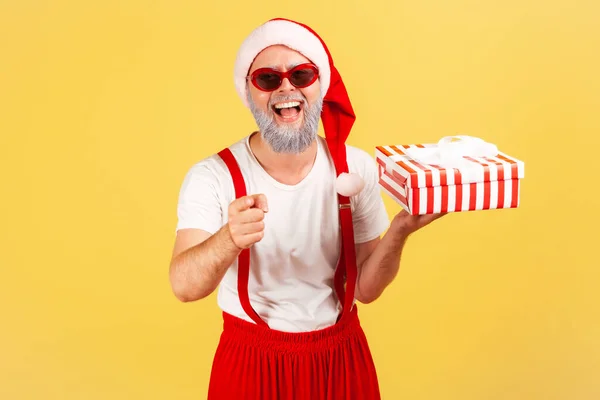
x: 483, y: 183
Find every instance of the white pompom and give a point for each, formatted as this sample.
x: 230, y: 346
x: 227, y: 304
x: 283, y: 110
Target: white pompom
x: 349, y: 184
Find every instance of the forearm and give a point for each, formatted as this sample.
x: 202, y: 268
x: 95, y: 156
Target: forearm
x: 196, y: 272
x: 382, y: 265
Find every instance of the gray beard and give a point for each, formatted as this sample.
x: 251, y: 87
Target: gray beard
x: 288, y: 139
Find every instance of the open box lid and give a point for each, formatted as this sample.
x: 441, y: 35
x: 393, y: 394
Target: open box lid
x: 453, y: 160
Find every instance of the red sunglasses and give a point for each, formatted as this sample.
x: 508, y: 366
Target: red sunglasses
x: 268, y: 79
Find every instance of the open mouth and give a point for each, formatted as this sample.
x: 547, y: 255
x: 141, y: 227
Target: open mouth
x: 288, y: 110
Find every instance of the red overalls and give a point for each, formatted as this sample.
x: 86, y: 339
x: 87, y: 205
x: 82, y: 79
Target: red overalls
x: 253, y: 361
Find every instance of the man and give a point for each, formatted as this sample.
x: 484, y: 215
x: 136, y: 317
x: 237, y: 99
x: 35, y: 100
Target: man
x: 287, y: 225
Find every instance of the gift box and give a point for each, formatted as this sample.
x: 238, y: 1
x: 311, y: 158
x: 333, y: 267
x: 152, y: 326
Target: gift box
x: 459, y: 173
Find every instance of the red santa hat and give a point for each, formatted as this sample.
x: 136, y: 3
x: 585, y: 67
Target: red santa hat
x: 337, y: 114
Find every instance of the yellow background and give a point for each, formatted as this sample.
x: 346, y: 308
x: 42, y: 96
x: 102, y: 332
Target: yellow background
x: 105, y: 105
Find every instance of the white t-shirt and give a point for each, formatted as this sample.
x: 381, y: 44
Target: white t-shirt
x: 292, y: 267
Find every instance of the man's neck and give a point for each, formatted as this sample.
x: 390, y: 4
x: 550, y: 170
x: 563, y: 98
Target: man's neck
x: 289, y: 169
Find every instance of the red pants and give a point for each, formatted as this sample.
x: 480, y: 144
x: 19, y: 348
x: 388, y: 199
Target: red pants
x: 254, y: 362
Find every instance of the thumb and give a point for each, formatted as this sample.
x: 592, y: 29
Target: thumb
x: 260, y: 201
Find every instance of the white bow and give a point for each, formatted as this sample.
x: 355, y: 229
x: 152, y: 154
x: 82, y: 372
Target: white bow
x: 451, y: 150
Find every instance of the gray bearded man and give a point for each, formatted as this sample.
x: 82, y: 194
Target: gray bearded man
x: 287, y: 225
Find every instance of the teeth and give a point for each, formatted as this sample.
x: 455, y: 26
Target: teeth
x: 287, y: 105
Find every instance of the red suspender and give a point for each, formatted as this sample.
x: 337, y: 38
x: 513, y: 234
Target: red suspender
x: 347, y: 263
x: 244, y: 257
x: 346, y: 267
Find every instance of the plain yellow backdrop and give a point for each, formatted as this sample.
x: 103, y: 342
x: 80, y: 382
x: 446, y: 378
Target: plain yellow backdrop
x: 105, y: 105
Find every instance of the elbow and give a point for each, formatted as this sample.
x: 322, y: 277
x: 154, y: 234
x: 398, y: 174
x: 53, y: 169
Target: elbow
x: 367, y: 299
x: 186, y: 291
x: 363, y: 298
x: 181, y: 292
x: 186, y: 294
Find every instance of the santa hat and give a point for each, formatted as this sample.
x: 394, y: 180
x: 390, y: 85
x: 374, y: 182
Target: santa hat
x: 337, y: 115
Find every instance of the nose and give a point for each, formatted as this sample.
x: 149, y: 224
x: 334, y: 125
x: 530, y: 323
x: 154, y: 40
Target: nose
x: 286, y: 86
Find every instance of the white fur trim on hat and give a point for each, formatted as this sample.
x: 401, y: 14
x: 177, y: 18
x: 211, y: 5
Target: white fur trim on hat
x: 285, y: 33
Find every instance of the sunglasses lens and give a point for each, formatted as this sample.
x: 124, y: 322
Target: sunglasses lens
x: 268, y: 81
x: 303, y: 77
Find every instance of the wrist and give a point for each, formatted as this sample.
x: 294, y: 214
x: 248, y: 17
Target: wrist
x: 400, y: 229
x: 228, y: 240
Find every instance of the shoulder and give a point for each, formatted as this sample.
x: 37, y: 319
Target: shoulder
x: 212, y: 171
x: 214, y: 165
x: 209, y: 169
x: 359, y: 160
x: 357, y: 153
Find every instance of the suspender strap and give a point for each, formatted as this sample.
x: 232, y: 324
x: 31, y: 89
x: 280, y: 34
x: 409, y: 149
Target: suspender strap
x: 347, y: 263
x: 244, y: 257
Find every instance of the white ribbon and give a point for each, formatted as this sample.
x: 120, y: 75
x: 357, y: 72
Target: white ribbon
x: 451, y: 150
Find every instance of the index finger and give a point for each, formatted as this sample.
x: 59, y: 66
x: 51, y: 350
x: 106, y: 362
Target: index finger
x: 242, y: 203
x: 260, y: 201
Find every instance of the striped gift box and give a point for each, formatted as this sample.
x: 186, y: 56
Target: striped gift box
x: 482, y: 183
